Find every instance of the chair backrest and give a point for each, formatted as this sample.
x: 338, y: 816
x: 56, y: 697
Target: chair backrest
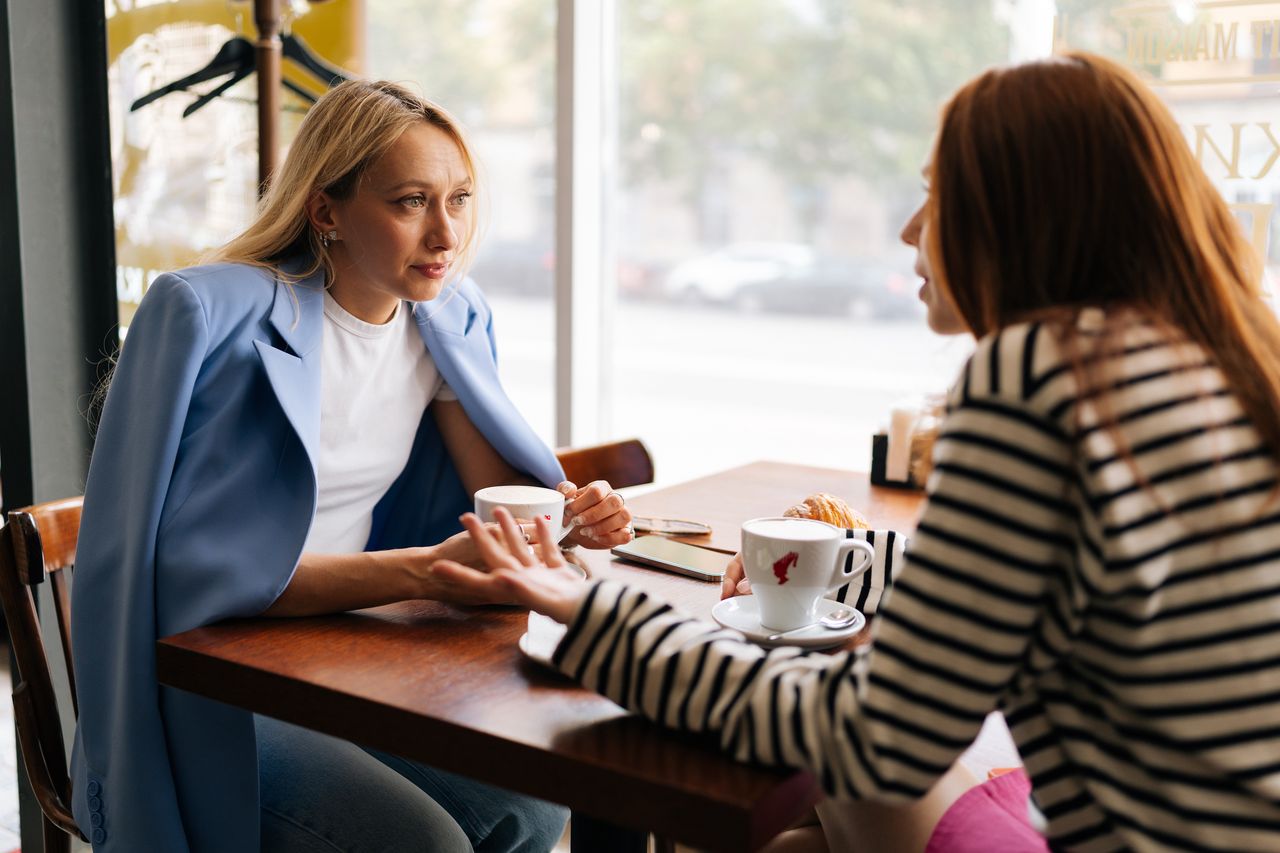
x: 622, y: 463
x: 39, y: 543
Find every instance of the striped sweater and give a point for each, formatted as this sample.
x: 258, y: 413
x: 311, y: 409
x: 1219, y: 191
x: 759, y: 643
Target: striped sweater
x: 1100, y: 562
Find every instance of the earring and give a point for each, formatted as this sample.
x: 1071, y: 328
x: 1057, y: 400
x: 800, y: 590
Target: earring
x: 326, y: 239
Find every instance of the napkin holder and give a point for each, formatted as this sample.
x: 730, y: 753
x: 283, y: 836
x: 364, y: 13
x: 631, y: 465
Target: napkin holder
x: 892, y: 451
x: 879, y: 460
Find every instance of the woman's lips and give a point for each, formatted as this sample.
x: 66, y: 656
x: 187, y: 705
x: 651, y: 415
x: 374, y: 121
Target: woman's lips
x: 436, y: 271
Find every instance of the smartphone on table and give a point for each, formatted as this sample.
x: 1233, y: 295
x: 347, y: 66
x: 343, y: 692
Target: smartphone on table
x: 679, y: 557
x: 669, y: 526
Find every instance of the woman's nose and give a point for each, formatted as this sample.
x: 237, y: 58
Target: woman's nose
x: 911, y: 230
x: 441, y: 233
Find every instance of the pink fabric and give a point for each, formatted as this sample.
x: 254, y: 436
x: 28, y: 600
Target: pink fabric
x: 989, y: 818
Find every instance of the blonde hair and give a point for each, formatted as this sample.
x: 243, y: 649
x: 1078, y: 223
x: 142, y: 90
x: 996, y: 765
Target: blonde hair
x: 343, y: 134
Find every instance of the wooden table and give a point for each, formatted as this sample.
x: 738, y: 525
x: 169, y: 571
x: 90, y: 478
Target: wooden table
x: 727, y: 499
x: 448, y: 686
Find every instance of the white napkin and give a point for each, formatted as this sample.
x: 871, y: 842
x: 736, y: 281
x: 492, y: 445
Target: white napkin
x: 897, y: 465
x: 543, y: 635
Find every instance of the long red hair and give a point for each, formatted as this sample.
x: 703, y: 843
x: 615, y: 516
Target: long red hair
x: 1064, y: 184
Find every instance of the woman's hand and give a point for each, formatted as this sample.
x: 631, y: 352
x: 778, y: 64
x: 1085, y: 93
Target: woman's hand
x: 599, y: 515
x: 540, y: 580
x: 463, y: 548
x: 735, y: 579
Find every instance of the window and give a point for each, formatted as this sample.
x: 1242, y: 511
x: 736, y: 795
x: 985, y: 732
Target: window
x: 769, y: 152
x: 1216, y: 65
x: 492, y: 64
x: 756, y: 161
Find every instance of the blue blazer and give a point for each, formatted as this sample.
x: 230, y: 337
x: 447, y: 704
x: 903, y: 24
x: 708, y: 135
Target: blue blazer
x: 200, y: 495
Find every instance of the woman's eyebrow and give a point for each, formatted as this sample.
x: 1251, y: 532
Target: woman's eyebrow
x: 461, y: 183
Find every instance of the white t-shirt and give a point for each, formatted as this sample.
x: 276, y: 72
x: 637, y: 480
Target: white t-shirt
x: 375, y: 383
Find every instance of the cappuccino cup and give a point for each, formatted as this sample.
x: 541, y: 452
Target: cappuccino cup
x: 793, y: 563
x: 527, y: 503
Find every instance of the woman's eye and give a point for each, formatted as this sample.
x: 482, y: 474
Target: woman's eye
x: 460, y: 200
x: 414, y: 201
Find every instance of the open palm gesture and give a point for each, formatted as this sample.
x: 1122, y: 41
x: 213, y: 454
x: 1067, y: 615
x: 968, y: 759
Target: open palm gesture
x: 535, y: 576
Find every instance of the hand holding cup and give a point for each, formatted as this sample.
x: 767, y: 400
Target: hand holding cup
x: 598, y: 514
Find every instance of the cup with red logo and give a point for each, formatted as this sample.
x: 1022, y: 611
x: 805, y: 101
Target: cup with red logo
x: 793, y: 563
x: 526, y: 503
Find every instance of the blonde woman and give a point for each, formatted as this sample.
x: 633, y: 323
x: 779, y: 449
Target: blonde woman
x: 1097, y: 555
x: 294, y: 429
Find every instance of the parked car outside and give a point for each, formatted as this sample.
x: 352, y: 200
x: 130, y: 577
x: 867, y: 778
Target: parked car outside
x: 795, y: 278
x: 526, y: 269
x: 721, y: 275
x: 860, y: 288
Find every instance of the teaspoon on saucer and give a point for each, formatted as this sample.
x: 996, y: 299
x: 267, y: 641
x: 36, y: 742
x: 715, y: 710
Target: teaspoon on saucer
x: 835, y: 620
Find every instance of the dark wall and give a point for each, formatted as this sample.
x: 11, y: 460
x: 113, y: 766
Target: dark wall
x: 57, y: 250
x: 57, y: 256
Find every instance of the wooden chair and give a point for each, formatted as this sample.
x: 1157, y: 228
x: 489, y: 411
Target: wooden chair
x: 622, y: 463
x: 39, y: 542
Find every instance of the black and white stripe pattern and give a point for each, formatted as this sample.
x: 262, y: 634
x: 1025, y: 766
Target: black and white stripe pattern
x: 867, y: 591
x: 1102, y: 563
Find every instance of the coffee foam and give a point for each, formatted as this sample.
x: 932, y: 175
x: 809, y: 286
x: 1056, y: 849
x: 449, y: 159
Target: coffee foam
x: 518, y: 494
x: 791, y: 528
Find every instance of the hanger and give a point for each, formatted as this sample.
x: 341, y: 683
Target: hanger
x: 231, y: 57
x: 236, y: 57
x: 298, y: 90
x: 240, y: 73
x: 297, y: 50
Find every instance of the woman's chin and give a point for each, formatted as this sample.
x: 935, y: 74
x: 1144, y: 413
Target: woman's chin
x: 943, y: 321
x: 425, y: 291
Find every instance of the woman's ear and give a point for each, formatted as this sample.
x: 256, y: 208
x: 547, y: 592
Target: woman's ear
x: 322, y: 212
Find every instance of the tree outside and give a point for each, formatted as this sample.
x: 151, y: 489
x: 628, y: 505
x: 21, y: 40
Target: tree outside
x: 815, y: 91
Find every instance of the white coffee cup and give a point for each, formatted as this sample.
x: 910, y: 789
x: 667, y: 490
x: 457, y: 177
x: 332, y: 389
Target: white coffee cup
x: 793, y: 562
x: 525, y: 502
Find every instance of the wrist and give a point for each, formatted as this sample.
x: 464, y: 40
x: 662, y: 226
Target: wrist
x: 570, y: 606
x: 410, y: 571
x: 566, y: 601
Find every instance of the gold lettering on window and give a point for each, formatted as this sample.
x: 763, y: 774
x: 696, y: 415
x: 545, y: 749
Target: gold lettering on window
x: 1224, y: 43
x: 1146, y: 44
x: 1259, y: 223
x: 1275, y: 150
x: 1203, y: 139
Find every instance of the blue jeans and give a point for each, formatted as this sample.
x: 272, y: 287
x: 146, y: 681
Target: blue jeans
x: 321, y: 794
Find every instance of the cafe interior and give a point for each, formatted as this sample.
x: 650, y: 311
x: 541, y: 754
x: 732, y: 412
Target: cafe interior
x: 689, y: 249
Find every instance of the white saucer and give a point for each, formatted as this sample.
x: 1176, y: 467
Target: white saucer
x: 742, y: 613
x: 540, y: 640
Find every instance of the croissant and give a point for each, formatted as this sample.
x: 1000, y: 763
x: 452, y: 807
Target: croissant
x: 831, y: 509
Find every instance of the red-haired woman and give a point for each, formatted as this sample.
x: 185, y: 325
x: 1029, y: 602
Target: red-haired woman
x: 1099, y: 554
